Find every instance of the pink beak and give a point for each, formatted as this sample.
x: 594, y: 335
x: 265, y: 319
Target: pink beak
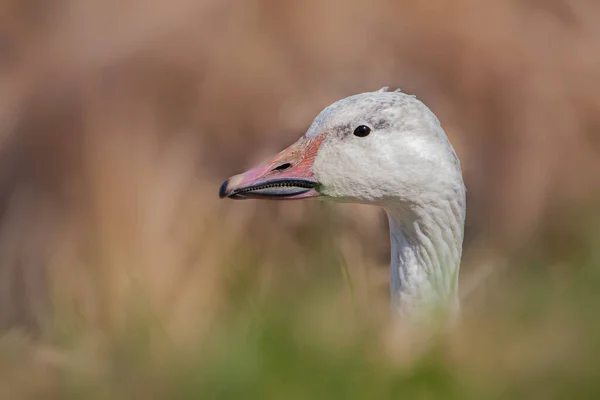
x: 287, y: 176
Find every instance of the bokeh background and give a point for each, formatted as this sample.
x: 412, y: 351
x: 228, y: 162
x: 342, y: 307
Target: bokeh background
x: 123, y: 275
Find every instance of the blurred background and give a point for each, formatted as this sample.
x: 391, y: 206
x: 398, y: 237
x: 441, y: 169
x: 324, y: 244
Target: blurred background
x: 123, y: 275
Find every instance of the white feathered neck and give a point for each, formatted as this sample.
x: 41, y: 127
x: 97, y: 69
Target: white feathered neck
x: 426, y: 249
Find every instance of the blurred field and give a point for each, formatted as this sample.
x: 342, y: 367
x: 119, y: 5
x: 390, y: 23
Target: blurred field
x: 122, y: 275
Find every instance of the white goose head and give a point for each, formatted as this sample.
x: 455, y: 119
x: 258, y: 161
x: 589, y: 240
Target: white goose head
x: 387, y: 149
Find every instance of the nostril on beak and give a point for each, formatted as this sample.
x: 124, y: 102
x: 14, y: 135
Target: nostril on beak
x: 283, y: 167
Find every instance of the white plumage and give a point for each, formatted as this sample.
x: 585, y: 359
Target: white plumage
x: 385, y: 149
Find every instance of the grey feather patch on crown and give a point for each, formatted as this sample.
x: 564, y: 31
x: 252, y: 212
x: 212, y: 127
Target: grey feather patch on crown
x: 387, y: 89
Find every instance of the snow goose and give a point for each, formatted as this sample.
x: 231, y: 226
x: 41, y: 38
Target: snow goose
x: 386, y: 149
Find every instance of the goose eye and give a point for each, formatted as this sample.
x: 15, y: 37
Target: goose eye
x: 362, y: 131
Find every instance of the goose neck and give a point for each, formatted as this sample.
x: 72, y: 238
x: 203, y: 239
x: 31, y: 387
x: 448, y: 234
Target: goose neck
x: 426, y: 248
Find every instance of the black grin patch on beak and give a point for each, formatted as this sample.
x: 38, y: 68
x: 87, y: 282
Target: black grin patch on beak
x: 272, y: 188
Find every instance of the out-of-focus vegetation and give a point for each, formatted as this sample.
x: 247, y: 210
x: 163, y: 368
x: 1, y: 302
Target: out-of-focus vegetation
x: 122, y: 275
x: 283, y: 332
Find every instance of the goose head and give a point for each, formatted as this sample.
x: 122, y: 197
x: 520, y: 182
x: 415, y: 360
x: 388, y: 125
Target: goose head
x: 386, y: 149
x: 382, y: 148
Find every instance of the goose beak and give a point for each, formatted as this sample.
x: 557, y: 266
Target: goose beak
x: 287, y: 176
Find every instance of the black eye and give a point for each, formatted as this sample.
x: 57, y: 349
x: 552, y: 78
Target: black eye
x: 362, y: 131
